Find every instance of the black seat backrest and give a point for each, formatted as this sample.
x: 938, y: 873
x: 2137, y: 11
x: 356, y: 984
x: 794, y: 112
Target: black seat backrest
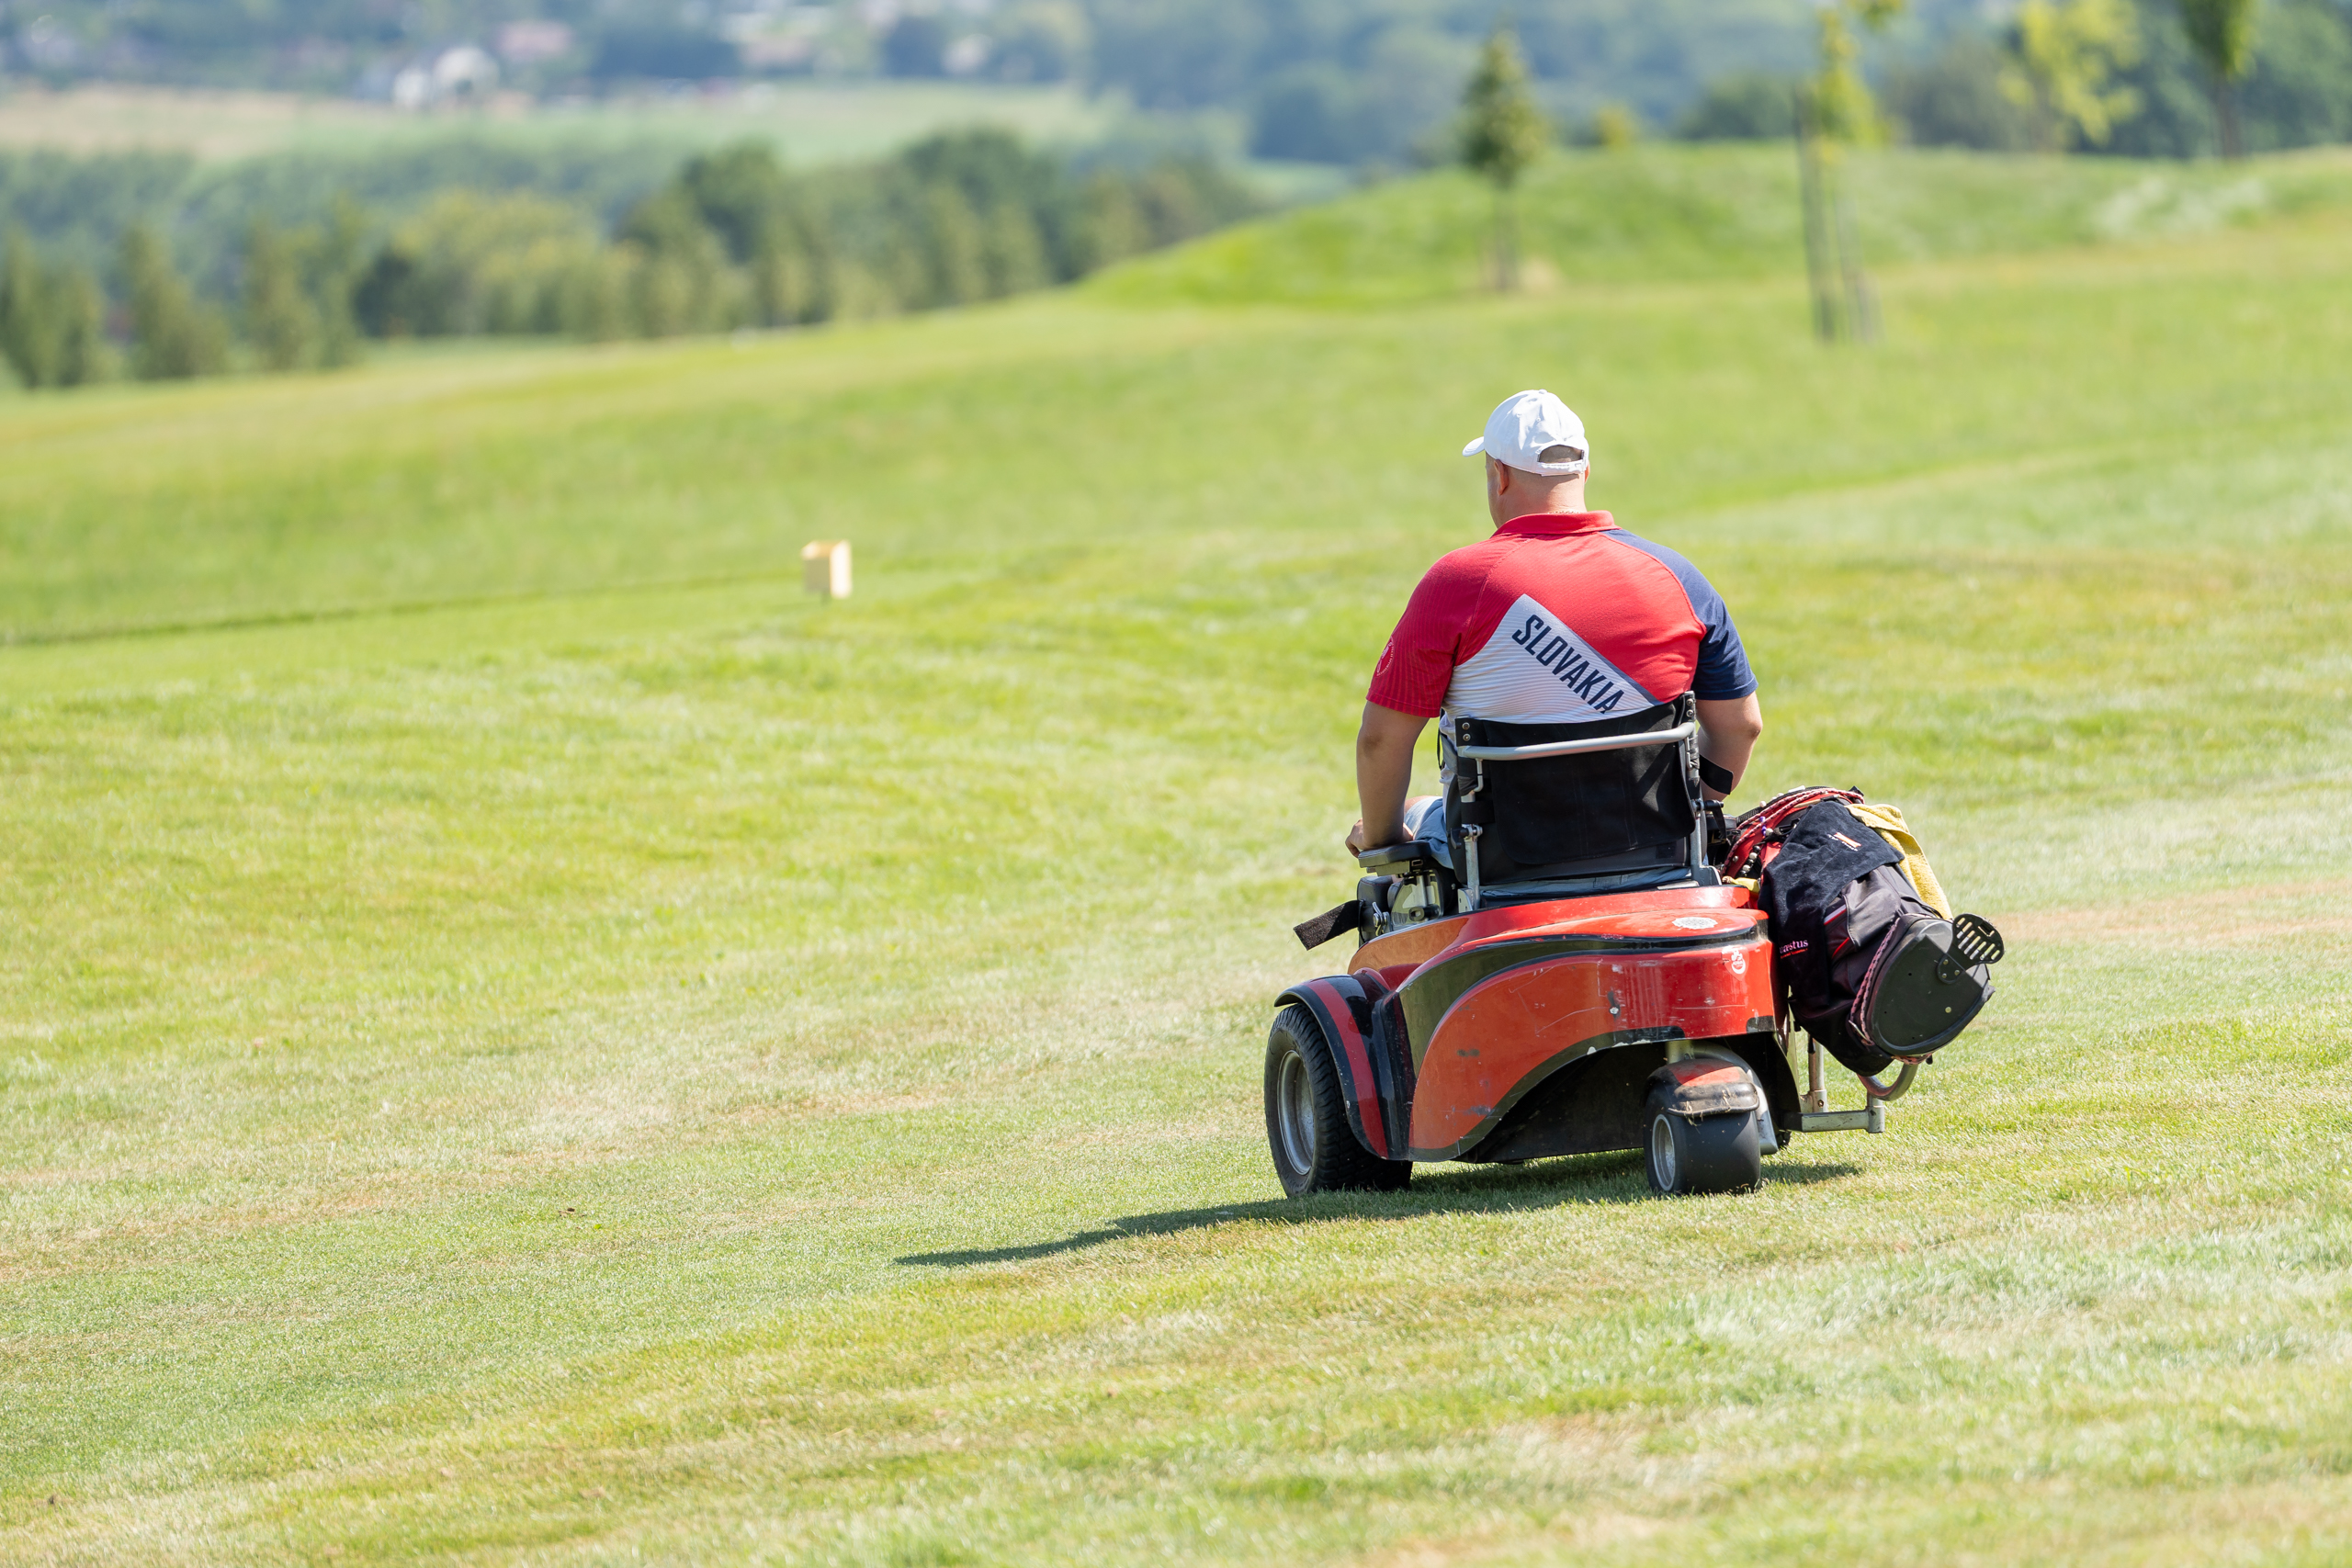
x: 1594, y: 814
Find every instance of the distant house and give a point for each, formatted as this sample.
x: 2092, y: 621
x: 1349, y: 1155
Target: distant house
x: 534, y: 42
x: 966, y: 55
x: 462, y: 75
x: 46, y: 46
x: 777, y: 52
x: 771, y: 37
x: 411, y: 87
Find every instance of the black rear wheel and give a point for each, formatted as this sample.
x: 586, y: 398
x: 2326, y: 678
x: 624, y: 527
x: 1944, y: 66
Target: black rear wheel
x: 1314, y: 1150
x: 1707, y: 1154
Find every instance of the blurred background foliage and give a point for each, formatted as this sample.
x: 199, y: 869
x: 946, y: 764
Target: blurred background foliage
x: 1346, y: 82
x: 297, y: 256
x: 163, y: 263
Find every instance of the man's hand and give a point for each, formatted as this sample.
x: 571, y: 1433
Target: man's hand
x: 1355, y: 840
x: 1383, y: 772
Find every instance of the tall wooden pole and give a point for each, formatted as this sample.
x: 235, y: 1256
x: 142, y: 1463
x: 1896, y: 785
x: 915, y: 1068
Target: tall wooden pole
x: 1862, y: 300
x: 1812, y: 179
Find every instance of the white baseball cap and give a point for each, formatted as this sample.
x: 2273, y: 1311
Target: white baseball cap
x: 1527, y: 426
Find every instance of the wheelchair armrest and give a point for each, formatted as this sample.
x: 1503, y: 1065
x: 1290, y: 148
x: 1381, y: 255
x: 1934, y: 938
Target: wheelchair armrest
x: 1396, y: 855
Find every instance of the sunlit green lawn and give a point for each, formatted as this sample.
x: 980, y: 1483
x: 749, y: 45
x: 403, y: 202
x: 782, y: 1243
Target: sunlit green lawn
x: 528, y: 1040
x: 1719, y: 211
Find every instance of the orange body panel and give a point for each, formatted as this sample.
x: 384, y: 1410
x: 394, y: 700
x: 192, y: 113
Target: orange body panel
x: 1551, y: 996
x: 1414, y: 944
x: 1419, y: 944
x: 1570, y: 912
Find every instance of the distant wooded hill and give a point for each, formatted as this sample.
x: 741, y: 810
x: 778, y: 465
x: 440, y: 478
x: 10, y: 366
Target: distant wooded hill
x: 1349, y: 82
x: 296, y: 255
x: 1345, y: 81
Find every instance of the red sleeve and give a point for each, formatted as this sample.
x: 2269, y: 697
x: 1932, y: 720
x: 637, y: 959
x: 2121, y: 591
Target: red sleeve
x: 1417, y: 666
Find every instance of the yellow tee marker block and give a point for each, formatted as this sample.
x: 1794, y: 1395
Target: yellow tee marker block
x: 824, y: 568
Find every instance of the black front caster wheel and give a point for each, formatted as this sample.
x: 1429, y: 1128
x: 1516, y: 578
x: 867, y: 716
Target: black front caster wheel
x: 1699, y: 1154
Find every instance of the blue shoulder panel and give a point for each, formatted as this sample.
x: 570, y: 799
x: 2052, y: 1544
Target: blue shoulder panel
x: 1722, y: 663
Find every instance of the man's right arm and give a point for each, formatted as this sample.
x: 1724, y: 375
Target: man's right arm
x: 1728, y: 730
x: 1384, y: 772
x: 1729, y: 725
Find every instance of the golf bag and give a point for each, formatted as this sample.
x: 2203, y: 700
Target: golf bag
x: 1871, y: 971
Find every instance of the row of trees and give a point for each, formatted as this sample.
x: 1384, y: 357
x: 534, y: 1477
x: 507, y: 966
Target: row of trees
x: 55, y: 328
x: 2164, y: 78
x: 1342, y: 81
x: 733, y: 240
x: 1377, y: 80
x: 2064, y: 59
x: 2068, y: 62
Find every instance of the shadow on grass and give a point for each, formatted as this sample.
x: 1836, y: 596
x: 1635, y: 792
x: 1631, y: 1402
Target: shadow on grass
x: 1452, y: 1189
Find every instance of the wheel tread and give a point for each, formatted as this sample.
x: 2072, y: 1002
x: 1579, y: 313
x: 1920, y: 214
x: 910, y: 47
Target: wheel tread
x: 1341, y: 1162
x: 1712, y: 1154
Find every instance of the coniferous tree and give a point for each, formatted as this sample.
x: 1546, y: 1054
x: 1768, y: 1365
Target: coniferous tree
x: 1110, y: 225
x: 779, y: 280
x: 53, y: 320
x: 174, y: 335
x: 1173, y: 204
x: 1502, y: 132
x: 662, y: 297
x: 821, y: 299
x: 84, y: 354
x: 683, y: 282
x: 1013, y: 253
x: 27, y: 334
x: 593, y: 297
x: 954, y: 266
x: 279, y: 318
x: 334, y: 283
x: 743, y: 194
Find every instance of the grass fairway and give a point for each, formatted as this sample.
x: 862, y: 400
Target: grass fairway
x: 527, y: 1041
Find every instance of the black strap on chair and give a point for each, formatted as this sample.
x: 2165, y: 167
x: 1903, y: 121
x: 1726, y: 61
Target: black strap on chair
x: 1314, y: 933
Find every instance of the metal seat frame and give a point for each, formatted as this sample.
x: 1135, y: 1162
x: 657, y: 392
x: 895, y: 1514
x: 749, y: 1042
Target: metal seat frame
x: 1684, y: 734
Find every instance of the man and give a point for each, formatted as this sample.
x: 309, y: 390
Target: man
x: 1560, y: 617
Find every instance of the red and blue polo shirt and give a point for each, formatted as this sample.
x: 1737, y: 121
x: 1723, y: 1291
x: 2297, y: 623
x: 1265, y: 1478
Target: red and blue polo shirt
x: 1560, y: 618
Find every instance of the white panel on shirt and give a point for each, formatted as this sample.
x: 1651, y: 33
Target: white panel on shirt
x: 1535, y: 670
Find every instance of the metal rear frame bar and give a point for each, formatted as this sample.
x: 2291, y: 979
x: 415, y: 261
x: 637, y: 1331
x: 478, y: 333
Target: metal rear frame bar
x: 1578, y: 748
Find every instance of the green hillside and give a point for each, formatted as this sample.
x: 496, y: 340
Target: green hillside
x: 525, y: 1040
x: 1657, y: 214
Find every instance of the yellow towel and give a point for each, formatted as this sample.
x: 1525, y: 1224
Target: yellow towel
x: 1887, y: 822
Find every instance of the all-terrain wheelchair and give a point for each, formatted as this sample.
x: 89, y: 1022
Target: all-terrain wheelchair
x: 1568, y: 972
